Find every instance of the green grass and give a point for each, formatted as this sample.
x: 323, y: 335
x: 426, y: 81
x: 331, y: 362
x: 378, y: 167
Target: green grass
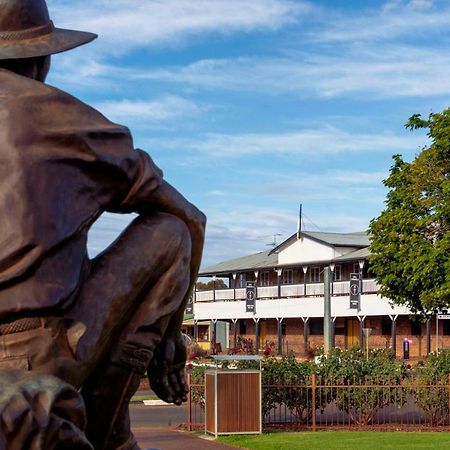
x: 143, y: 397
x: 341, y: 440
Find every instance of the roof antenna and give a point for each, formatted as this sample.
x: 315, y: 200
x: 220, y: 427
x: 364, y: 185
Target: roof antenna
x: 274, y: 243
x: 299, y: 223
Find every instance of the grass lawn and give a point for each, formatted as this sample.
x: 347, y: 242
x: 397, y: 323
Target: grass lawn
x: 341, y: 440
x: 141, y: 397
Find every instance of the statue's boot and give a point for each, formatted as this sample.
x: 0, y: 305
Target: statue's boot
x: 107, y: 395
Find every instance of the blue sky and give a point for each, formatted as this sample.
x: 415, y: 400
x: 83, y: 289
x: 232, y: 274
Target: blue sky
x: 252, y: 107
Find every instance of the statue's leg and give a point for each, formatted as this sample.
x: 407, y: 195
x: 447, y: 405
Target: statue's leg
x: 141, y: 279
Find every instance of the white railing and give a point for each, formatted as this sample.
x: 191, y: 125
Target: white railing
x: 287, y: 291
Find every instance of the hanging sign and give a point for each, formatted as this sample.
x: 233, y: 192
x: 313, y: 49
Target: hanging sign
x: 250, y: 297
x: 355, y: 290
x: 190, y: 305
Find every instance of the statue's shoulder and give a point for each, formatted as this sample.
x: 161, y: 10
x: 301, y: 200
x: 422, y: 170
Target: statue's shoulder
x: 13, y: 85
x: 46, y: 102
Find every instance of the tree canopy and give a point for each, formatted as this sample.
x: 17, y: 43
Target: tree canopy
x: 410, y: 240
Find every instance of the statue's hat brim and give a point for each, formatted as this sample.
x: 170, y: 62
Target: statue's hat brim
x: 57, y: 41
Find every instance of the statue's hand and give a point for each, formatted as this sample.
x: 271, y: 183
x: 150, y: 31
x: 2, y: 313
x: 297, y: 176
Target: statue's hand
x: 166, y: 371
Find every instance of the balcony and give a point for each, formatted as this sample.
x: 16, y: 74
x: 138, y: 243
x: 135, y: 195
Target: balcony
x: 339, y: 288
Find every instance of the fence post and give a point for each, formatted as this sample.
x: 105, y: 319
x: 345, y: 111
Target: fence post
x: 448, y: 382
x: 313, y: 401
x: 189, y: 403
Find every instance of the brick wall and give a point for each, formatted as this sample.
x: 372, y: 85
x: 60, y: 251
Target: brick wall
x: 293, y: 339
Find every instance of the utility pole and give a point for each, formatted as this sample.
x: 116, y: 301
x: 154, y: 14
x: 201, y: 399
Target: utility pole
x: 327, y: 332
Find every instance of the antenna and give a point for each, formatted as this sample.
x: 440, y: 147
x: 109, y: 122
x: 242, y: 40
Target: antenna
x: 299, y: 223
x: 274, y: 243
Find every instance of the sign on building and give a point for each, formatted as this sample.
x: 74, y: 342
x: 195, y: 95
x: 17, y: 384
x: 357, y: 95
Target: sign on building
x: 443, y: 316
x: 355, y: 290
x: 250, y: 296
x: 190, y: 305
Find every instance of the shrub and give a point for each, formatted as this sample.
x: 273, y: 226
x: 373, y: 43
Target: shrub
x: 366, y: 378
x: 430, y: 387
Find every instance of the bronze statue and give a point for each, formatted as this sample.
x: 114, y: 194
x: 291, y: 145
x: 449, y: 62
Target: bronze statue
x: 97, y: 324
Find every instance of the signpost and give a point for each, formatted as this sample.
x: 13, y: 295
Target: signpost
x: 355, y: 291
x: 250, y: 297
x: 442, y: 316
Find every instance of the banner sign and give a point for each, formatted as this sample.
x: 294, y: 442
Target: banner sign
x: 190, y: 305
x: 355, y: 290
x: 250, y: 297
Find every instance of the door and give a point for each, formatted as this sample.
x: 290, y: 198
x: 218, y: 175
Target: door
x: 262, y: 334
x: 353, y: 331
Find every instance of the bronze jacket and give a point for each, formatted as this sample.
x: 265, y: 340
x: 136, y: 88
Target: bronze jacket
x: 62, y: 164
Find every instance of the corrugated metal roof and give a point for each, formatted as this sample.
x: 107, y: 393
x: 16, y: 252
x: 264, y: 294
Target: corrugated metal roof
x: 255, y: 261
x: 357, y: 239
x: 361, y: 253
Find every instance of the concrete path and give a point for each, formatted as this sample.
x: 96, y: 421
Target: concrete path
x: 170, y: 439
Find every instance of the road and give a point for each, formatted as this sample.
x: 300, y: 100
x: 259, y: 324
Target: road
x: 157, y: 416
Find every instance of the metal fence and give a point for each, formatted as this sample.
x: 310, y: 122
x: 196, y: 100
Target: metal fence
x: 407, y: 404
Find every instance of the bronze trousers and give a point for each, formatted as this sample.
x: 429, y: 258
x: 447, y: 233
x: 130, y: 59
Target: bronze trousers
x: 131, y: 291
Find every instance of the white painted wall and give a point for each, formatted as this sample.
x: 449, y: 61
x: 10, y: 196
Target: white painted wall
x: 305, y: 250
x: 371, y: 305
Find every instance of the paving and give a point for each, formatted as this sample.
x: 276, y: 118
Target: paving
x: 170, y: 439
x: 156, y: 427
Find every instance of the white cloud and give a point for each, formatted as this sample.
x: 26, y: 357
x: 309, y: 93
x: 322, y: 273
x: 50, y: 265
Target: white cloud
x: 307, y: 142
x: 397, y: 18
x: 168, y: 107
x: 125, y: 24
x: 391, y: 71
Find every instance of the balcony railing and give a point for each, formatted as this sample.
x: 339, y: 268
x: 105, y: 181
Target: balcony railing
x: 287, y: 291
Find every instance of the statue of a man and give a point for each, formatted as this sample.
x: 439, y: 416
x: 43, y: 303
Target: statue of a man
x: 99, y: 323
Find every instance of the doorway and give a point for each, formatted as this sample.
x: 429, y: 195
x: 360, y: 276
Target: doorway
x: 353, y: 332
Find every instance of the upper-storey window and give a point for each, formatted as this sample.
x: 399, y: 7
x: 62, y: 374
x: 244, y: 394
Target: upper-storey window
x: 288, y: 276
x: 314, y: 274
x: 265, y: 279
x: 242, y: 280
x: 337, y: 273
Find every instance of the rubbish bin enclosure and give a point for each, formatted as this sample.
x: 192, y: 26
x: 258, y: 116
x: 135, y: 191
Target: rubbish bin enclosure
x: 233, y: 401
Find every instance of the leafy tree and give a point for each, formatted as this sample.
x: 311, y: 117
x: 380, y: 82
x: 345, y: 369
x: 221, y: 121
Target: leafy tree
x: 410, y: 240
x: 220, y: 284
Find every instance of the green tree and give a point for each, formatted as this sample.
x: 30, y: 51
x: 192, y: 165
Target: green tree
x: 410, y: 240
x: 219, y: 283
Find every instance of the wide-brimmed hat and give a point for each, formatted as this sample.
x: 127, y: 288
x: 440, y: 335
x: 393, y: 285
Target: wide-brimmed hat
x: 26, y: 31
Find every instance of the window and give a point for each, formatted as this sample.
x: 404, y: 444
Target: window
x: 337, y: 273
x: 264, y: 280
x: 356, y: 268
x: 288, y: 276
x: 316, y: 325
x: 386, y: 325
x: 416, y: 327
x: 242, y: 327
x: 446, y: 327
x: 242, y: 280
x: 314, y: 274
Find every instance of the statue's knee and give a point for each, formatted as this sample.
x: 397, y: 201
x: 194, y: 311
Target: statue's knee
x: 178, y: 233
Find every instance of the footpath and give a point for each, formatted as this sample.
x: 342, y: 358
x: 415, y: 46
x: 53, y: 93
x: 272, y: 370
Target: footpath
x: 171, y: 439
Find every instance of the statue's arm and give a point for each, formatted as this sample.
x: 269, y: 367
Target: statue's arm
x: 166, y: 372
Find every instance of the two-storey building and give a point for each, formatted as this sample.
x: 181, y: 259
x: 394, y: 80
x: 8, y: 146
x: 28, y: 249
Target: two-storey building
x: 289, y: 307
